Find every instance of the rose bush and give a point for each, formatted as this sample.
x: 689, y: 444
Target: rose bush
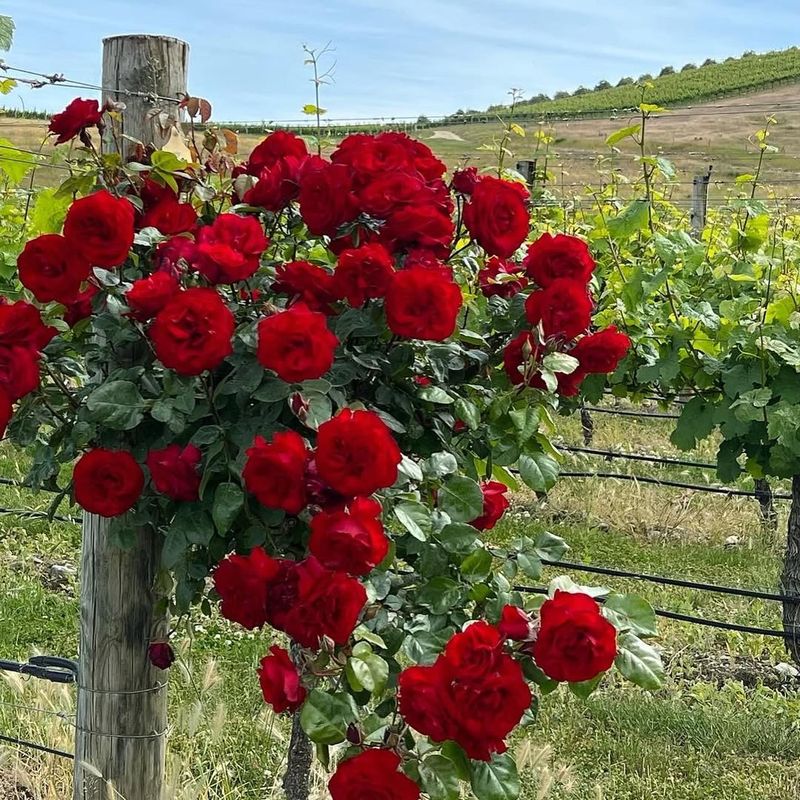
x: 317, y: 387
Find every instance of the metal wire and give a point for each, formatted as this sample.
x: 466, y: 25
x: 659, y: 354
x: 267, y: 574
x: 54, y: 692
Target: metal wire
x: 630, y: 413
x: 610, y: 454
x: 33, y: 746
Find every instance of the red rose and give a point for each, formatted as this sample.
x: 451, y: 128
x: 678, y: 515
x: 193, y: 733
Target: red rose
x: 277, y: 186
x: 80, y: 307
x: 363, y: 274
x: 170, y: 217
x: 559, y: 256
x: 306, y: 283
x: 242, y: 583
x: 100, y: 228
x: 149, y: 295
x: 75, y: 119
x: 601, y: 352
x: 465, y: 180
x: 21, y: 325
x: 51, y: 269
x: 6, y: 411
x: 373, y: 774
x: 564, y: 308
x: 475, y: 651
x: 192, y: 333
x: 495, y: 504
x: 275, y: 471
x: 326, y: 200
x: 520, y: 359
x: 174, y: 255
x: 229, y: 250
x: 495, y: 278
x: 420, y: 695
x: 351, y: 541
x: 19, y: 370
x: 278, y: 145
x: 327, y: 604
x: 356, y: 453
x: 515, y: 624
x: 423, y: 304
x: 107, y: 482
x: 173, y: 471
x: 296, y: 344
x: 161, y: 655
x: 497, y: 216
x: 280, y: 681
x: 569, y: 385
x: 575, y: 641
x: 419, y: 226
x: 319, y: 492
x: 386, y: 192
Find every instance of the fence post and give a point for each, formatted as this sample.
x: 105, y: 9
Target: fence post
x: 587, y: 426
x: 700, y: 201
x: 766, y: 503
x: 122, y: 701
x: 528, y: 171
x: 791, y: 575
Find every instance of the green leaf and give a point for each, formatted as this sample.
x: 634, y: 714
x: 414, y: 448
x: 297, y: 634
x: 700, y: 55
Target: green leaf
x: 458, y: 537
x: 461, y: 498
x: 539, y: 471
x: 228, y: 502
x: 440, y: 594
x: 367, y: 671
x: 562, y: 363
x: 695, y: 423
x: 639, y: 662
x: 415, y: 518
x: 585, y: 688
x: 623, y: 133
x: 435, y: 394
x: 550, y: 547
x: 632, y: 219
x: 49, y: 210
x: 477, y: 566
x: 439, y: 778
x: 6, y: 32
x: 468, y: 413
x: 631, y: 612
x: 325, y: 717
x: 116, y: 405
x: 14, y: 163
x: 496, y: 779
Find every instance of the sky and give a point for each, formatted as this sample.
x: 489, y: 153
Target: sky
x: 394, y: 58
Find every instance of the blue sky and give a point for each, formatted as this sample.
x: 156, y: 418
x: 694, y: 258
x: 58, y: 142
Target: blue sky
x: 394, y: 57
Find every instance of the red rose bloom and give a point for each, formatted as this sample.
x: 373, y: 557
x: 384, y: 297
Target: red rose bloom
x: 280, y: 681
x: 515, y: 624
x: 51, y: 269
x: 326, y: 200
x: 161, y: 655
x: 575, y: 641
x: 6, y: 411
x: 80, y: 307
x: 174, y: 255
x: 601, y: 352
x: 497, y: 216
x: 21, y: 325
x: 475, y: 651
x: 275, y: 471
x: 363, y: 274
x: 386, y: 192
x: 229, y: 250
x: 306, y: 283
x: 495, y: 504
x: 351, y: 541
x: 242, y: 583
x: 149, y: 295
x: 356, y: 453
x: 100, y: 227
x: 277, y: 186
x: 173, y: 471
x: 19, y: 370
x: 373, y: 774
x: 564, y: 308
x: 277, y: 146
x: 495, y: 279
x: 170, y: 217
x: 296, y: 344
x: 465, y: 180
x: 560, y: 256
x: 107, y: 482
x: 519, y: 360
x: 75, y: 119
x: 419, y: 226
x: 192, y: 333
x: 420, y: 694
x: 423, y: 304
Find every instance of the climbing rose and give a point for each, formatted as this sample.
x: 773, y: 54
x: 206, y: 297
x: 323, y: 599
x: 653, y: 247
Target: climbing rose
x: 560, y: 256
x: 229, y: 250
x: 193, y: 332
x: 564, y: 308
x: 374, y: 774
x: 272, y: 150
x: 107, y: 482
x: 169, y: 217
x: 296, y: 344
x: 495, y: 504
x: 19, y: 370
x: 419, y: 226
x: 356, y: 453
x: 363, y: 273
x: 52, y: 269
x: 6, y: 410
x: 495, y: 279
x: 515, y: 624
x: 280, y: 681
x: 575, y: 641
x: 161, y: 655
x: 465, y: 180
x: 351, y: 541
x: 147, y: 296
x: 100, y: 228
x: 497, y: 216
x: 242, y: 583
x: 601, y: 352
x: 326, y: 198
x: 21, y: 326
x: 80, y: 307
x: 75, y: 119
x: 422, y: 304
x: 305, y: 283
x: 275, y: 471
x: 174, y: 473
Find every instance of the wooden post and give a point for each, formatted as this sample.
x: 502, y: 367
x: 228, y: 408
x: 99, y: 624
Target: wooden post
x: 528, y: 171
x: 587, y: 426
x: 791, y: 575
x: 700, y: 201
x: 766, y: 503
x: 122, y: 700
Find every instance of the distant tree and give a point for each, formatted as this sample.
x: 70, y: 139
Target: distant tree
x: 580, y: 90
x: 687, y: 67
x: 666, y: 71
x: 748, y: 53
x: 423, y: 120
x: 626, y: 81
x: 729, y: 59
x: 539, y: 98
x: 644, y: 78
x: 602, y: 85
x: 709, y: 62
x: 561, y: 95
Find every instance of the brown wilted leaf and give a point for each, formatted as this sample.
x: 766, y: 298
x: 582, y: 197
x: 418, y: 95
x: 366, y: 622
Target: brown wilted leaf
x: 205, y: 110
x: 231, y: 141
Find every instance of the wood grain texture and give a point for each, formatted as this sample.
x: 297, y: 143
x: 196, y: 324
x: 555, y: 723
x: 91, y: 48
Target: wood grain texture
x: 791, y: 575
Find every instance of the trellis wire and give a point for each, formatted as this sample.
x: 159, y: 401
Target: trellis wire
x: 611, y: 454
x: 34, y: 746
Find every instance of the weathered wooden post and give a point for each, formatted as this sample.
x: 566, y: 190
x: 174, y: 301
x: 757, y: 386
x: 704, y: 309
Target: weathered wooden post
x: 122, y: 699
x: 527, y: 169
x: 766, y: 503
x: 791, y: 575
x: 700, y: 201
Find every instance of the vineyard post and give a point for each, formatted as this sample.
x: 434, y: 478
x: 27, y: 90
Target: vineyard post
x: 791, y: 575
x: 700, y: 201
x: 527, y: 169
x: 122, y: 699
